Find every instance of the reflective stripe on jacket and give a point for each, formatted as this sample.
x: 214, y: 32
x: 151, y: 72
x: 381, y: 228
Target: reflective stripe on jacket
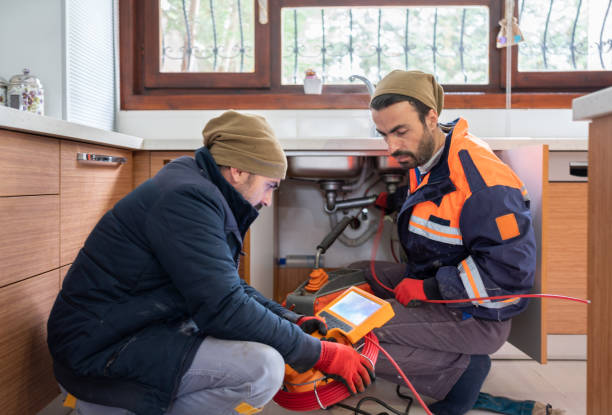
x: 466, y: 228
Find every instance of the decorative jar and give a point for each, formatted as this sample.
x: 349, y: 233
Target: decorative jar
x: 26, y: 93
x: 3, y: 85
x: 312, y: 83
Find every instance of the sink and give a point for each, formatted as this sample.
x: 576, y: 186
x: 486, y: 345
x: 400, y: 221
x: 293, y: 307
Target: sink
x: 387, y: 164
x: 325, y: 167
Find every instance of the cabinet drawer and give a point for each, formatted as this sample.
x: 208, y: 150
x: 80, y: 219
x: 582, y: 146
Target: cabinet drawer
x: 27, y: 383
x: 29, y: 244
x: 29, y: 164
x: 88, y: 190
x: 559, y: 165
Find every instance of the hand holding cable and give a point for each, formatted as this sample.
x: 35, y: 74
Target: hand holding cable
x: 409, y: 289
x: 345, y: 364
x: 310, y: 324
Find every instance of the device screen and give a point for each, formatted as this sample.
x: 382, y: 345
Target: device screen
x: 355, y: 308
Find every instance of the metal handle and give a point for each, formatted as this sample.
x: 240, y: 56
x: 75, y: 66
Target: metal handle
x: 579, y: 168
x: 101, y: 158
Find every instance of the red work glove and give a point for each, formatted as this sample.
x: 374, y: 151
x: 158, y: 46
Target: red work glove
x: 381, y: 201
x: 310, y: 324
x: 409, y: 289
x: 345, y: 364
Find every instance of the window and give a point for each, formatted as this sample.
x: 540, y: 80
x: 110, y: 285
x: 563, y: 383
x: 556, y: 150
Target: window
x: 197, y: 54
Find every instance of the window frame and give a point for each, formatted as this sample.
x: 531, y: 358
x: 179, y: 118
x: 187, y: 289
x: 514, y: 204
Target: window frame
x: 153, y: 78
x: 143, y: 87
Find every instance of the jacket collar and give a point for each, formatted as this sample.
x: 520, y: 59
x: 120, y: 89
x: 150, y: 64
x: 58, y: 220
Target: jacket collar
x: 243, y: 211
x: 438, y: 183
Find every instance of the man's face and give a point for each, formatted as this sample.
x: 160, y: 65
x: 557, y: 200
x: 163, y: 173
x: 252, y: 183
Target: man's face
x: 257, y: 190
x: 410, y: 142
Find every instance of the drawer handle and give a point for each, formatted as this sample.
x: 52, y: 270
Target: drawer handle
x: 101, y: 158
x: 579, y: 168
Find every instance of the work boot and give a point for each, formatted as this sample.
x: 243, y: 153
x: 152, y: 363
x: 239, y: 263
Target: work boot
x: 464, y: 393
x: 507, y: 406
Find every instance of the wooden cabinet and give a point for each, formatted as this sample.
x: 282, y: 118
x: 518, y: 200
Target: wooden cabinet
x: 27, y: 383
x: 30, y: 236
x: 567, y: 256
x: 88, y: 190
x: 29, y: 164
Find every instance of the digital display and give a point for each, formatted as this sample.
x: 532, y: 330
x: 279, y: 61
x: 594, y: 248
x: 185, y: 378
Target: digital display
x: 355, y: 308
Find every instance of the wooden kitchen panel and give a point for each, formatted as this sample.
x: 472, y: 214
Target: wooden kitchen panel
x: 27, y: 383
x: 142, y: 167
x: 567, y: 256
x: 30, y: 236
x: 88, y: 190
x: 29, y: 164
x: 287, y: 279
x: 63, y: 271
x: 160, y: 158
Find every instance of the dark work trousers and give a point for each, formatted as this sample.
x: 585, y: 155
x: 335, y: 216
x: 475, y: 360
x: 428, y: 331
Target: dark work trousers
x: 432, y: 343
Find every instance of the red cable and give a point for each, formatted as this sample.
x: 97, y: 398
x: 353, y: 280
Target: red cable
x: 464, y: 300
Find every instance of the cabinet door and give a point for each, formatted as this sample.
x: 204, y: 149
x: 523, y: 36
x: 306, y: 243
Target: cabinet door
x: 88, y: 191
x: 29, y: 244
x: 27, y: 383
x: 29, y: 164
x: 567, y: 257
x: 529, y: 328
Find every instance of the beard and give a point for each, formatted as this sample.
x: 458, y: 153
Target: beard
x: 423, y: 153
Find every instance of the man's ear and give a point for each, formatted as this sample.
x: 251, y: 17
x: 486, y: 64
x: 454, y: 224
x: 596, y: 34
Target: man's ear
x: 238, y: 176
x: 431, y: 119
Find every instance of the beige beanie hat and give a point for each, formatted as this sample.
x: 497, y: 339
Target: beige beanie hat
x: 415, y: 84
x: 247, y: 142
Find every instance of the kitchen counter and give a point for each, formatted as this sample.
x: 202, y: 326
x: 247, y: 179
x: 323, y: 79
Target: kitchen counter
x: 12, y: 119
x: 593, y: 105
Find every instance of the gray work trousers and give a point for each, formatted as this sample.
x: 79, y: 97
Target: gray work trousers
x: 223, y: 375
x: 431, y: 343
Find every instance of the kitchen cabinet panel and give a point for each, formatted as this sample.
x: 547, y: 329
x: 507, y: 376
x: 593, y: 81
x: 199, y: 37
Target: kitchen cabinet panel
x: 29, y: 164
x: 160, y: 158
x: 567, y: 256
x: 27, y: 383
x: 88, y: 190
x: 30, y: 236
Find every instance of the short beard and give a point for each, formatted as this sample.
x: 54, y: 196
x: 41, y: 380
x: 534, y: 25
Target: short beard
x: 424, y: 152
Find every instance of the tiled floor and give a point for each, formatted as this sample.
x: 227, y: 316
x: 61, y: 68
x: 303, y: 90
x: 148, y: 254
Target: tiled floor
x: 560, y: 383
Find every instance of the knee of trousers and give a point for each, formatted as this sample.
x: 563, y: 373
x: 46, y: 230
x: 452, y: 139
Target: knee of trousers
x: 266, y: 372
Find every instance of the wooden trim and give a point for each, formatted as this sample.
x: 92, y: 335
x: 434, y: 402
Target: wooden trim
x: 334, y: 101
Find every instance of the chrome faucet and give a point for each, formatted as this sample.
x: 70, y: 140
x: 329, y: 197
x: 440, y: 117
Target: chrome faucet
x: 365, y: 80
x: 368, y: 84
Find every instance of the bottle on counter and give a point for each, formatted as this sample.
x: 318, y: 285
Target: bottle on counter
x: 3, y: 85
x: 26, y: 93
x: 312, y: 83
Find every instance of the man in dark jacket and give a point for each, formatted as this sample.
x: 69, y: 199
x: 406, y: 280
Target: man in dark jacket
x: 465, y: 227
x: 153, y: 318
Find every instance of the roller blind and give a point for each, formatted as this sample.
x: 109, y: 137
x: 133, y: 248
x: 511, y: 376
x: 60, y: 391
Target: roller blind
x: 90, y: 62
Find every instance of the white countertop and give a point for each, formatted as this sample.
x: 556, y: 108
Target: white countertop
x: 27, y: 122
x: 593, y: 105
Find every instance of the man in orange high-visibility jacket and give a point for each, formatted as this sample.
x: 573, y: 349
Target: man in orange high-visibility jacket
x: 465, y: 226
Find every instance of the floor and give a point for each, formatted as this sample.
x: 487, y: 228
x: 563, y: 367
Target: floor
x: 562, y: 383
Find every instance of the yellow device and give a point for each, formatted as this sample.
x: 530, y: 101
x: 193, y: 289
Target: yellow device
x: 355, y: 313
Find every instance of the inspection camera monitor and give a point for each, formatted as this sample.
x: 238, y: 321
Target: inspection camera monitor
x: 355, y: 313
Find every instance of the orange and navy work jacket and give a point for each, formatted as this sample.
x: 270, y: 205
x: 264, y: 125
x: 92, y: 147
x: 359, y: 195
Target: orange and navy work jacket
x: 466, y: 229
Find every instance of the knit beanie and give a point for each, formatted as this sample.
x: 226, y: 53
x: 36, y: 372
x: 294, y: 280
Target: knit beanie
x: 246, y: 142
x: 415, y: 84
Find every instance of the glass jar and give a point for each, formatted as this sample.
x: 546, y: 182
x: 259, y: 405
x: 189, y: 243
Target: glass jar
x: 3, y: 85
x: 25, y: 93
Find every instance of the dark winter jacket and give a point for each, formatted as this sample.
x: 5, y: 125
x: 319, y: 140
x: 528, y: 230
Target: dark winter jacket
x: 466, y: 229
x: 164, y: 255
